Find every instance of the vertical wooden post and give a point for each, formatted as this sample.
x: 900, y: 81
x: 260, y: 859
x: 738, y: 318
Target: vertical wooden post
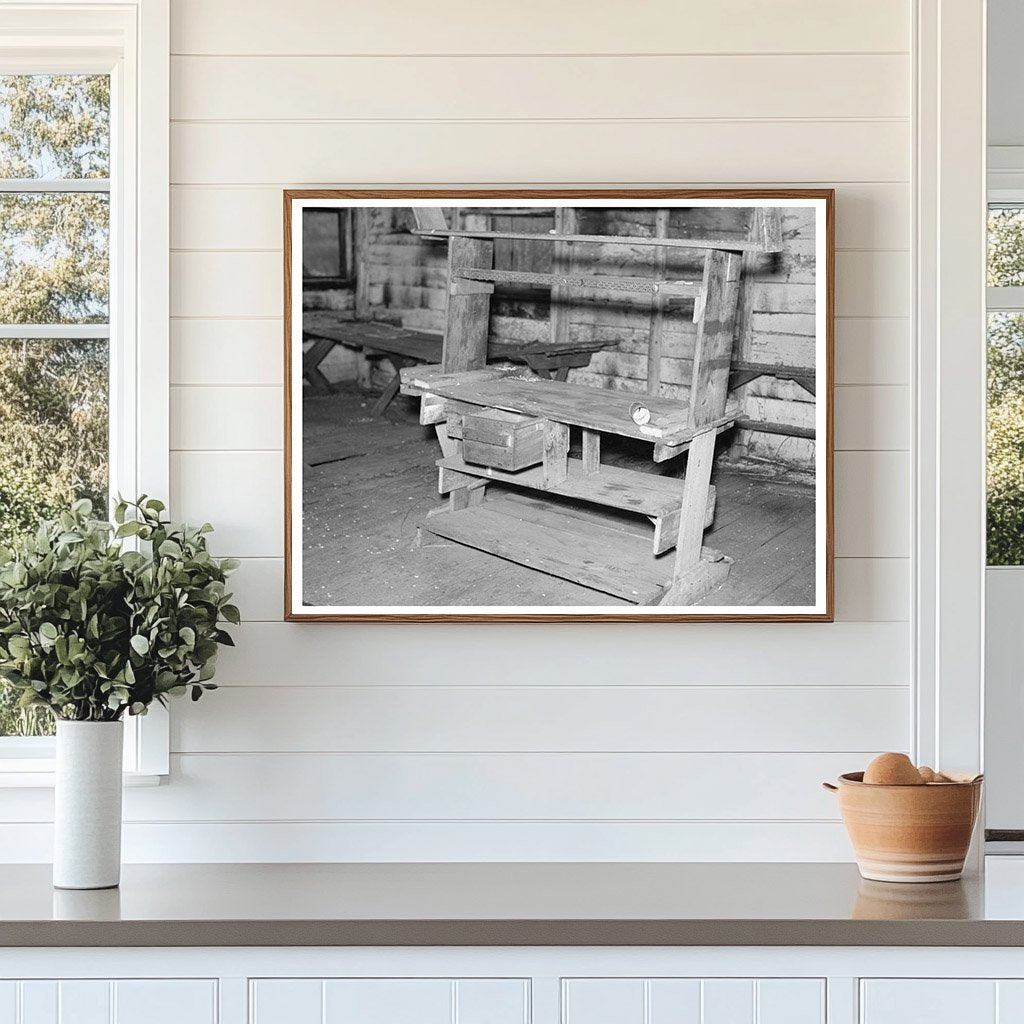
x: 562, y: 260
x: 591, y: 452
x: 467, y: 318
x: 708, y: 395
x: 556, y: 453
x: 360, y: 263
x: 654, y: 342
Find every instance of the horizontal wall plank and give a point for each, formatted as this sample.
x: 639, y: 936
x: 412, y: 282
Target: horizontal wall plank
x: 227, y: 352
x: 872, y: 350
x: 872, y: 418
x: 630, y: 719
x: 535, y: 152
x: 460, y: 842
x: 460, y: 26
x: 872, y: 590
x: 239, y: 492
x: 233, y: 284
x: 872, y: 504
x: 867, y: 589
x: 843, y: 654
x: 376, y: 787
x: 868, y: 216
x: 258, y: 586
x: 873, y: 283
x: 539, y: 88
x: 233, y: 418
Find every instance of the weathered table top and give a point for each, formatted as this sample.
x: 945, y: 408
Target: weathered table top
x: 507, y: 904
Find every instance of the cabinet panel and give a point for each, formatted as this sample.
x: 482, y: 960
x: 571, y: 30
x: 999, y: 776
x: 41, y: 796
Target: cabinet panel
x: 693, y: 1001
x: 727, y: 1001
x: 165, y: 1002
x: 791, y: 1001
x: 286, y: 1001
x: 84, y: 1002
x: 929, y: 1001
x: 388, y: 1001
x: 8, y: 1002
x: 101, y: 1001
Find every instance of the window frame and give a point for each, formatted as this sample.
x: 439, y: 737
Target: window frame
x: 130, y: 41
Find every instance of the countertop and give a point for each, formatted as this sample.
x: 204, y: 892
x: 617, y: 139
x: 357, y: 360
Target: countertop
x: 510, y: 904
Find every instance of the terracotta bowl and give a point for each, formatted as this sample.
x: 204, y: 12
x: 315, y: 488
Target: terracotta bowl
x: 909, y: 833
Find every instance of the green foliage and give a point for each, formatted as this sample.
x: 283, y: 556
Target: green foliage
x: 53, y: 446
x: 1005, y: 476
x: 53, y: 269
x: 91, y: 630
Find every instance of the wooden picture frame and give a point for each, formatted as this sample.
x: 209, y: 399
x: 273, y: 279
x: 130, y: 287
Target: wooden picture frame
x: 504, y: 429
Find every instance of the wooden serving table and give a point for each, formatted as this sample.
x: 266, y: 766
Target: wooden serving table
x: 568, y: 545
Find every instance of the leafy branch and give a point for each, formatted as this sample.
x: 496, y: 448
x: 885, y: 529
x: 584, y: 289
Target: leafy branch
x: 92, y: 629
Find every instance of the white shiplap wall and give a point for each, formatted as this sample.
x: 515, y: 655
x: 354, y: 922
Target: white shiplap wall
x: 596, y: 742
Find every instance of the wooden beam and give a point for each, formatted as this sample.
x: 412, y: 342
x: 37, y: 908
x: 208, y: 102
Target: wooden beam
x: 562, y: 261
x: 467, y: 317
x: 657, y: 309
x: 783, y: 429
x: 724, y: 244
x: 603, y: 282
x: 695, y: 499
x: 429, y: 219
x: 709, y: 385
x: 766, y: 229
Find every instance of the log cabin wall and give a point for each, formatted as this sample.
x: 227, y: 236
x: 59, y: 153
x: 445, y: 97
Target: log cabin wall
x: 406, y: 278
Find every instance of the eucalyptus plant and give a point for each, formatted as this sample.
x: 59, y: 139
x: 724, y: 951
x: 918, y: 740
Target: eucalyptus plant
x: 98, y: 619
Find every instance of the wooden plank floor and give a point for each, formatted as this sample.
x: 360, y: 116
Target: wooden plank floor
x: 368, y: 482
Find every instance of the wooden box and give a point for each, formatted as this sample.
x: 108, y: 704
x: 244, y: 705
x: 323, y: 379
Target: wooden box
x: 502, y: 440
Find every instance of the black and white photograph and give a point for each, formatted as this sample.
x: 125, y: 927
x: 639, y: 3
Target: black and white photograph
x: 559, y: 405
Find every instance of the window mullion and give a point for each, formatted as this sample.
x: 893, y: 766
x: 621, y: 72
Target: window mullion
x: 62, y: 332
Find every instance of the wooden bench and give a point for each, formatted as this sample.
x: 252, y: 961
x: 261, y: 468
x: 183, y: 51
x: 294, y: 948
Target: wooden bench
x: 403, y: 347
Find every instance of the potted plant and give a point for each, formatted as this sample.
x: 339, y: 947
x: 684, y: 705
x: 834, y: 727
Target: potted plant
x: 99, y: 620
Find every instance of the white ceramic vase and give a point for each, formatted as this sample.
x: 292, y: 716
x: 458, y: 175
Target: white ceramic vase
x: 87, y: 806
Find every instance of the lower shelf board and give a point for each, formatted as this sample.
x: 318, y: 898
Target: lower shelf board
x: 574, y: 544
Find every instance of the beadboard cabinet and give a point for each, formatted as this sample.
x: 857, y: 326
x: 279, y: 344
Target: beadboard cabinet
x: 512, y: 985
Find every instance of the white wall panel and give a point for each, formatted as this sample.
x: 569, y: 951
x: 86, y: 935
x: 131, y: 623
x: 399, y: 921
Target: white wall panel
x: 506, y: 786
x: 728, y: 26
x: 547, y: 718
x: 625, y: 654
x: 214, y: 418
x: 869, y: 486
x: 377, y: 88
x: 248, y: 351
x: 441, y: 741
x: 411, y: 152
x: 872, y: 418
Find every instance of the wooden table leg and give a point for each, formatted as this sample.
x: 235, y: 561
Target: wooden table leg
x: 311, y: 361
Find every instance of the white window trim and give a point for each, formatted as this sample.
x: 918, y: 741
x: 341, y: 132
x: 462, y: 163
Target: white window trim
x: 131, y: 41
x: 949, y: 443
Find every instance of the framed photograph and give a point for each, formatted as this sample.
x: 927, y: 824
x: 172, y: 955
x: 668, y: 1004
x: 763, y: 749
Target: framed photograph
x: 558, y: 405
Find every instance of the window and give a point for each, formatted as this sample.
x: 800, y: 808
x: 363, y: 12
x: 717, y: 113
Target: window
x: 55, y: 294
x: 326, y: 248
x: 83, y: 288
x: 1005, y: 477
